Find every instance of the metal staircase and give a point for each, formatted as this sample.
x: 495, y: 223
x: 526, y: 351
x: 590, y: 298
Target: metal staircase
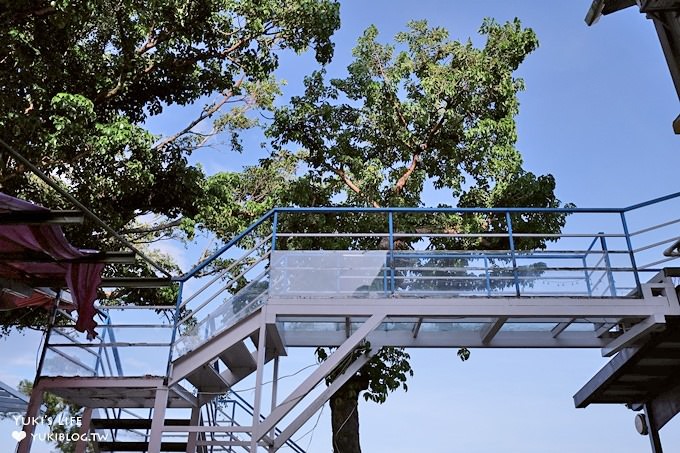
x: 598, y: 284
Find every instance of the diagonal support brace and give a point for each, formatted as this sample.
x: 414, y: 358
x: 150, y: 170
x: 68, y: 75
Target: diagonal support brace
x: 320, y: 400
x: 318, y: 375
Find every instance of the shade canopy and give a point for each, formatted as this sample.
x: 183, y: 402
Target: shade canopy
x: 36, y: 252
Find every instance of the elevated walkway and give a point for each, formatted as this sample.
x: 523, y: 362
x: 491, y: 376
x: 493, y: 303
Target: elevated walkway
x: 341, y: 279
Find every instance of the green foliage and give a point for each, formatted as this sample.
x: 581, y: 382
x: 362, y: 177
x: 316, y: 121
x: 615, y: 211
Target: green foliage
x: 436, y: 111
x: 423, y: 111
x: 80, y: 78
x: 387, y: 371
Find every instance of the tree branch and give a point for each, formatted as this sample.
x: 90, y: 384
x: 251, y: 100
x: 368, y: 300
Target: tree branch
x: 153, y: 229
x: 402, y: 181
x: 395, y: 101
x: 351, y: 185
x: 204, y: 114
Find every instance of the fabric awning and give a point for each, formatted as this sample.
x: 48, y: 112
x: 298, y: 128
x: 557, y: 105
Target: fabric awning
x: 38, y: 252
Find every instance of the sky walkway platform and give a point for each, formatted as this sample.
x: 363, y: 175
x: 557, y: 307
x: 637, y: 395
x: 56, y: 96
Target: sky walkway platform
x: 366, y: 278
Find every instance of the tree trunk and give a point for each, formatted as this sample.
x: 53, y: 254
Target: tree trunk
x: 345, y: 416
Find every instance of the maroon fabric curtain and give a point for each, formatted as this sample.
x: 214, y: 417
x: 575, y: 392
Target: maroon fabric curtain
x: 82, y: 279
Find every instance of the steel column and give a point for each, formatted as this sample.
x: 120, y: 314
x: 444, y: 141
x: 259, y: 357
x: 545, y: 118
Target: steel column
x: 158, y: 420
x: 32, y: 412
x: 259, y: 374
x: 275, y: 384
x: 654, y: 439
x: 630, y: 251
x: 508, y: 220
x: 81, y: 443
x: 192, y: 436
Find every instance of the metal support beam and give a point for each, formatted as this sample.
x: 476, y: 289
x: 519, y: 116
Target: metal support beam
x: 319, y: 374
x: 259, y: 374
x: 275, y: 385
x: 32, y: 413
x: 320, y: 400
x: 41, y: 217
x: 654, y: 439
x: 534, y: 307
x: 40, y: 257
x: 492, y: 329
x: 83, y: 431
x: 158, y: 420
x: 654, y: 323
x: 561, y: 327
x: 192, y: 437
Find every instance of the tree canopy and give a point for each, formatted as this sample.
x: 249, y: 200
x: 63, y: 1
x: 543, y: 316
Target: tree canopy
x: 79, y: 79
x: 425, y: 111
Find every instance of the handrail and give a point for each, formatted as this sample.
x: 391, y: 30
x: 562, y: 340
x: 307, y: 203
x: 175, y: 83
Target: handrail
x: 200, y: 266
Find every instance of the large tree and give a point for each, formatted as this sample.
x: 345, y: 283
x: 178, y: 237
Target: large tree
x: 425, y: 111
x: 78, y: 79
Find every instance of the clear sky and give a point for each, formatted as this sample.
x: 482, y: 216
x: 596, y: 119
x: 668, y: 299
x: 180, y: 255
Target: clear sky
x: 597, y: 114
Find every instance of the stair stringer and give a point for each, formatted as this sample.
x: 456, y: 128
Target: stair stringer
x: 210, y: 350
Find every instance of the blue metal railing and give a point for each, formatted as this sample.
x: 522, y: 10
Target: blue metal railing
x: 608, y: 264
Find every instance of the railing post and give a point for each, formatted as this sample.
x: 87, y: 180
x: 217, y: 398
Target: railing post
x: 101, y: 348
x: 610, y: 275
x: 114, y: 349
x: 508, y: 220
x: 585, y: 271
x: 390, y: 225
x: 175, y: 326
x: 488, y: 277
x: 631, y: 253
x: 275, y: 224
x: 48, y: 334
x: 585, y: 266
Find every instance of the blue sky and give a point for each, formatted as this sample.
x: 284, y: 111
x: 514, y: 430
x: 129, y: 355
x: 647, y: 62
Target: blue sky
x: 597, y: 114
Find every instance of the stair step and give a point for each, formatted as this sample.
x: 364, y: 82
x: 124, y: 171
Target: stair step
x: 239, y: 359
x: 241, y: 362
x: 207, y: 380
x: 140, y: 446
x: 132, y: 423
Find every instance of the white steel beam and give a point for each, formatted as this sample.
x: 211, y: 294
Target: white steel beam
x: 492, y: 329
x: 213, y: 347
x: 259, y: 376
x: 275, y: 387
x: 320, y: 400
x: 318, y: 375
x: 452, y: 339
x: 96, y: 382
x: 560, y: 327
x: 156, y: 432
x: 654, y: 323
x: 535, y: 307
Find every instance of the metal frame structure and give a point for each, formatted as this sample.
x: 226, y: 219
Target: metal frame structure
x: 238, y: 312
x: 665, y: 14
x: 11, y: 401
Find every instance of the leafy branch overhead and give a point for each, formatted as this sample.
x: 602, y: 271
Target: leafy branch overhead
x: 425, y: 111
x: 81, y: 81
x: 79, y: 78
